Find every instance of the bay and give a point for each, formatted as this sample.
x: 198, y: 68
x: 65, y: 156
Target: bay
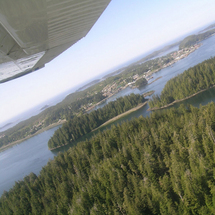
x: 24, y: 158
x: 32, y: 154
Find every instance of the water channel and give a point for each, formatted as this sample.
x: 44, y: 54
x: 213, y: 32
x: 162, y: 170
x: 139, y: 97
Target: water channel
x: 32, y: 154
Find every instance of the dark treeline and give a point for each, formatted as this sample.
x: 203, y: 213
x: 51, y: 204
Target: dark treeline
x: 193, y: 39
x: 79, y: 126
x: 191, y: 81
x: 76, y: 103
x: 163, y: 164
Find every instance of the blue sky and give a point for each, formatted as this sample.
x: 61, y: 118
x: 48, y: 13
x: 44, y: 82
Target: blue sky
x: 125, y: 30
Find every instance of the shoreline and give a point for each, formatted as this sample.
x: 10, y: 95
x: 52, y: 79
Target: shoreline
x: 149, y: 93
x: 103, y: 100
x: 155, y: 80
x: 176, y: 60
x: 151, y: 73
x: 3, y: 148
x: 121, y: 115
x: 114, y: 93
x: 177, y: 101
x: 111, y: 120
x: 93, y: 106
x: 57, y: 147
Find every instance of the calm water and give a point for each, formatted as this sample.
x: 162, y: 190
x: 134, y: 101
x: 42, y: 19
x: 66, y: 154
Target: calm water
x: 32, y: 154
x: 22, y: 159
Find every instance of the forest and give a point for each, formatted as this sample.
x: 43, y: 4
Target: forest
x: 79, y: 126
x: 191, y: 81
x: 73, y: 104
x: 162, y: 164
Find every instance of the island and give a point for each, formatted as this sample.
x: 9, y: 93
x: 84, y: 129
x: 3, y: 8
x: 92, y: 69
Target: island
x: 149, y: 93
x: 141, y: 82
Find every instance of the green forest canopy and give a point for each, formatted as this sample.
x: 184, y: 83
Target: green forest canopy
x: 162, y: 164
x: 191, y: 81
x: 79, y: 126
x: 73, y: 103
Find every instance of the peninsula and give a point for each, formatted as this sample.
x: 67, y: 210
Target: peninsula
x: 85, y: 100
x: 186, y: 85
x: 77, y: 127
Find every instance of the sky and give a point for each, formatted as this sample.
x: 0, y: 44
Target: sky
x: 124, y: 31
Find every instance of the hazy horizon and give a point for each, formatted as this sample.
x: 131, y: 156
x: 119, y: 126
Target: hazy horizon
x: 124, y: 31
x: 20, y: 117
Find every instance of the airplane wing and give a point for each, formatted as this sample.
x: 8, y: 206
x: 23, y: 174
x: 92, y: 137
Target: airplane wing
x: 33, y: 32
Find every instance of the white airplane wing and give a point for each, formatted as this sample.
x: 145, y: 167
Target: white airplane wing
x: 33, y: 32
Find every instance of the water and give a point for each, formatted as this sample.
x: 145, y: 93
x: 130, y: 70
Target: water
x: 53, y: 101
x: 203, y: 53
x: 22, y: 159
x: 173, y: 49
x: 32, y: 154
x: 200, y: 99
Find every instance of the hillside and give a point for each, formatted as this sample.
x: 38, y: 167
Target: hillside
x: 163, y: 164
x: 193, y: 39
